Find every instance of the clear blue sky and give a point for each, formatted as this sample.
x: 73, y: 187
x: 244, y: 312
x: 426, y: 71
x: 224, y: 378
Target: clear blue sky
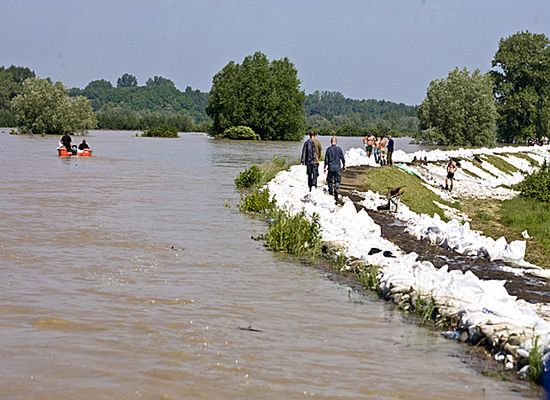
x: 383, y: 49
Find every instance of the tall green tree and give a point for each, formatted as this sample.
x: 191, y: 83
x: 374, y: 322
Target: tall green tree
x: 46, y: 108
x: 127, y: 80
x: 459, y: 110
x: 522, y: 86
x: 260, y: 94
x: 11, y: 83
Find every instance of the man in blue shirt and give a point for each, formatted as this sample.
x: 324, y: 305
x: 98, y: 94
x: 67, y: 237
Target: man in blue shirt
x: 334, y: 161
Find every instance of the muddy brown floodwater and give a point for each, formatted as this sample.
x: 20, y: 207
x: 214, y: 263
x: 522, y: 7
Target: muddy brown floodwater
x: 126, y: 276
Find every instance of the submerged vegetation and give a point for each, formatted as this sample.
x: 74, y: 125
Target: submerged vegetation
x: 294, y: 234
x: 255, y: 176
x: 536, y: 366
x: 164, y: 131
x: 239, y: 132
x: 257, y: 201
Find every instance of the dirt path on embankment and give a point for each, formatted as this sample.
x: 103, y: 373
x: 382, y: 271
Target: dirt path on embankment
x: 526, y: 287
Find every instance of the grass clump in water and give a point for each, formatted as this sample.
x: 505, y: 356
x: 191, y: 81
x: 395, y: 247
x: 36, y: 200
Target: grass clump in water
x: 425, y: 307
x: 368, y: 277
x: 250, y: 177
x: 500, y: 163
x: 257, y: 176
x: 163, y: 131
x: 535, y: 361
x: 417, y: 197
x: 294, y: 234
x: 257, y: 202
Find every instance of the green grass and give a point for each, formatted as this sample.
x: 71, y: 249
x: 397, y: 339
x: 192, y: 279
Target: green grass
x: 425, y: 307
x: 500, y: 163
x: 535, y: 361
x: 417, y: 197
x: 525, y: 156
x: 521, y: 213
x: 468, y: 172
x: 368, y: 277
x: 480, y: 166
x: 511, y: 217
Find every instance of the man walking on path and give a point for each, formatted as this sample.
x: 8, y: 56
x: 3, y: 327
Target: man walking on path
x: 333, y: 157
x: 311, y: 152
x: 390, y: 150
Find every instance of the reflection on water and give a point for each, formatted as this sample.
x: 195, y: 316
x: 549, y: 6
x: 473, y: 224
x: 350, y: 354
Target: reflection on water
x: 124, y: 276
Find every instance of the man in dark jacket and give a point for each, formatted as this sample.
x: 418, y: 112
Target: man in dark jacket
x: 334, y: 161
x: 390, y: 150
x: 311, y: 152
x: 83, y: 145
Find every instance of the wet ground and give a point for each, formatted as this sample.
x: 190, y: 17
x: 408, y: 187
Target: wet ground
x: 526, y: 287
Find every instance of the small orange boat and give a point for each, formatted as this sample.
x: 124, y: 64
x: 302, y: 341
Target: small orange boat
x: 63, y: 152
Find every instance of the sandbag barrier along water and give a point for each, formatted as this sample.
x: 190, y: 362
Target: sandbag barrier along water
x: 481, y: 311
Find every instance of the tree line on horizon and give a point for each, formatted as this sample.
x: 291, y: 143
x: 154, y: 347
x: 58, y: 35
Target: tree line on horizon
x: 128, y: 106
x: 262, y: 98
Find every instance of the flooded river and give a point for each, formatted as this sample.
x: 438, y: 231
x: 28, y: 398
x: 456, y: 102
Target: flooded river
x: 128, y: 275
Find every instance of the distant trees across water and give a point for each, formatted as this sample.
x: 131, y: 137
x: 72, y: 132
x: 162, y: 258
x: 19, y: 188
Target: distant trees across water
x: 510, y: 103
x: 158, y: 103
x: 330, y: 113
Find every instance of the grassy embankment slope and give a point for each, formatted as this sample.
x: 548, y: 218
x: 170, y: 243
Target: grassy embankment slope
x: 495, y: 218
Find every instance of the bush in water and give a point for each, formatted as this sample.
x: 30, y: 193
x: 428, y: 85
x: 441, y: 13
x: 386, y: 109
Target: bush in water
x: 257, y: 176
x: 294, y: 234
x: 249, y: 177
x: 239, y: 132
x: 165, y: 131
x: 257, y: 202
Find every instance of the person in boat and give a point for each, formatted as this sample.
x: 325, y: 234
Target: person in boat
x: 66, y: 141
x: 83, y: 145
x: 451, y: 169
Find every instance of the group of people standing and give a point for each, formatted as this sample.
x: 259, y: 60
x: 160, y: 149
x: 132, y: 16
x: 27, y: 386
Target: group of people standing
x: 382, y: 148
x: 334, y: 162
